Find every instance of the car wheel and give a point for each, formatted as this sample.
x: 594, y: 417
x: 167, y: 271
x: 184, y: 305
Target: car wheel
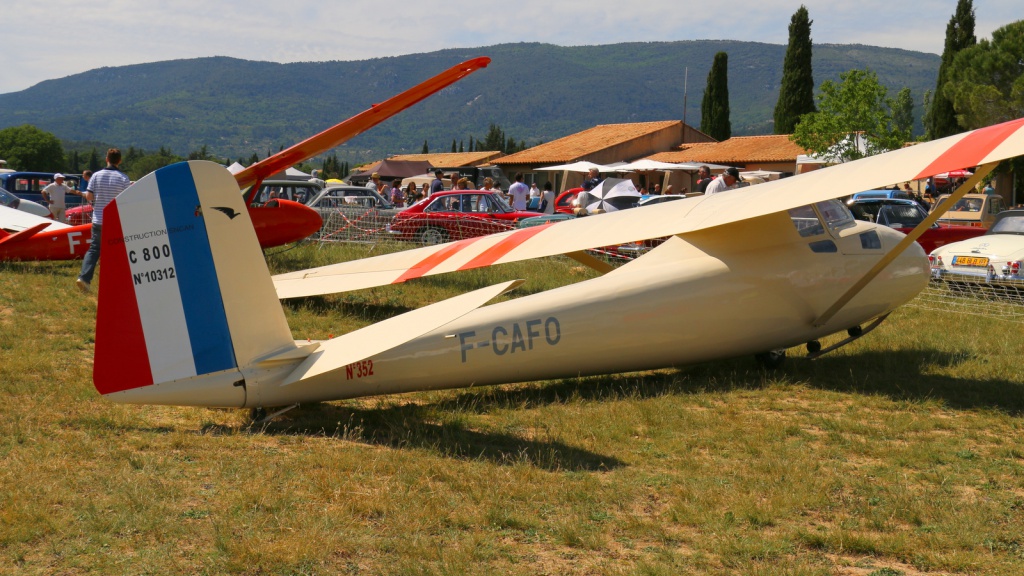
x: 431, y: 236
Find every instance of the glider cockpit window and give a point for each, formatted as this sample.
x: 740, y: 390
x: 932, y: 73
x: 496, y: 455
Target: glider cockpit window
x: 806, y: 221
x: 836, y: 215
x: 833, y: 213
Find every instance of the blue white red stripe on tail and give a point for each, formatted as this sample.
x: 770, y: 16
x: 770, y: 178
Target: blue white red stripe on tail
x: 161, y: 316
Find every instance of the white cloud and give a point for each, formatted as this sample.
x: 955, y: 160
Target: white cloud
x: 123, y: 32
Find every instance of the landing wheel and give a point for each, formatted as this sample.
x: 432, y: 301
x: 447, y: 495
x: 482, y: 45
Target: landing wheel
x: 813, y: 347
x: 771, y: 360
x: 431, y: 236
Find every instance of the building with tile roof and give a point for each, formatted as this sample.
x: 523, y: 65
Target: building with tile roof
x: 453, y: 159
x: 603, y: 144
x: 774, y: 153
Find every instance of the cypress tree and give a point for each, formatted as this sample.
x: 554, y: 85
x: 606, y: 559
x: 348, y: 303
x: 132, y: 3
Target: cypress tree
x: 426, y: 150
x: 714, y: 109
x: 940, y: 119
x: 796, y: 95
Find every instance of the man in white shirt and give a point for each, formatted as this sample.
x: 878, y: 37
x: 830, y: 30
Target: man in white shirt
x: 519, y: 192
x: 726, y: 181
x: 54, y: 195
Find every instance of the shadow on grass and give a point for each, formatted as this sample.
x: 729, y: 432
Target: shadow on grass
x: 903, y: 375
x: 440, y: 427
x: 900, y: 375
x: 410, y: 426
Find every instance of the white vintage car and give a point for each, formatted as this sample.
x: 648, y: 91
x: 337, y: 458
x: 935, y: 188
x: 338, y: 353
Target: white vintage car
x: 995, y: 258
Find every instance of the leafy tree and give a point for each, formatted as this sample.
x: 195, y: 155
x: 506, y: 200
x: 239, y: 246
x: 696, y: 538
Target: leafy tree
x: 495, y: 139
x: 796, y: 95
x: 253, y: 159
x: 940, y: 118
x: 986, y: 81
x: 454, y: 148
x: 851, y: 115
x: 903, y: 112
x: 94, y: 160
x: 426, y: 150
x: 714, y: 110
x: 26, y: 147
x: 143, y: 163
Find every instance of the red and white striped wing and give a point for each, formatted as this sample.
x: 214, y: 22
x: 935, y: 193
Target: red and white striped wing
x: 982, y: 146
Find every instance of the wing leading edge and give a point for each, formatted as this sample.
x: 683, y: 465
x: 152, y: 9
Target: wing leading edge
x: 977, y: 147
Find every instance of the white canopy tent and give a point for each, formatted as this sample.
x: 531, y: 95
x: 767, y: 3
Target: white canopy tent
x: 578, y: 166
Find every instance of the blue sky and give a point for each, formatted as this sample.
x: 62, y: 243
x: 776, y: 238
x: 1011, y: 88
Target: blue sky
x: 50, y: 39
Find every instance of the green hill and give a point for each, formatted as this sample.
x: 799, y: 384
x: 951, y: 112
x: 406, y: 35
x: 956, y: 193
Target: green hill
x: 535, y: 92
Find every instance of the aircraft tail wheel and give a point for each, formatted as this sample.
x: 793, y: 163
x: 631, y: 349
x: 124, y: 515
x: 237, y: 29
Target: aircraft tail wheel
x: 813, y: 347
x: 771, y: 360
x: 855, y: 332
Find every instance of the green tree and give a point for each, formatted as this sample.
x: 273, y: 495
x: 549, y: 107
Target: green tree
x: 903, y: 112
x: 143, y: 164
x: 714, y: 109
x: 940, y: 118
x: 426, y: 150
x: 796, y: 95
x: 454, y: 146
x: 26, y: 147
x: 495, y: 139
x: 854, y: 119
x: 987, y: 80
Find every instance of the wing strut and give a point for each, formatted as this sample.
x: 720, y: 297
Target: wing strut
x: 903, y: 244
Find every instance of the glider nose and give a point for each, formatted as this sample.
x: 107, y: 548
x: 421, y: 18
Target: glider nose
x: 283, y: 221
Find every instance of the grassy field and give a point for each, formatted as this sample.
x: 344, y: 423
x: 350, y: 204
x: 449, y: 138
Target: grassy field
x: 899, y: 454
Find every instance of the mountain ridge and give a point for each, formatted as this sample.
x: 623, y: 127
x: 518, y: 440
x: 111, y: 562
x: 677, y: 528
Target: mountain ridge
x: 535, y: 92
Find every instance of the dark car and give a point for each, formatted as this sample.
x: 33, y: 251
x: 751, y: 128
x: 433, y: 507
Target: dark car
x: 905, y: 215
x: 29, y: 185
x: 455, y: 215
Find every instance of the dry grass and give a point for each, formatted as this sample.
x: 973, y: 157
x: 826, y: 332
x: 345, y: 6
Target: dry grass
x: 900, y: 454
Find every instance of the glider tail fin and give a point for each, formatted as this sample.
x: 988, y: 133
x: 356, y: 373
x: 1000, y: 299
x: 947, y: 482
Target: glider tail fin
x: 186, y: 302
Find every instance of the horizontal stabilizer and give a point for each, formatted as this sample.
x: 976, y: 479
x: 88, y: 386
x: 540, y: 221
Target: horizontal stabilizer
x: 982, y: 146
x: 14, y: 220
x: 24, y: 234
x: 383, y: 336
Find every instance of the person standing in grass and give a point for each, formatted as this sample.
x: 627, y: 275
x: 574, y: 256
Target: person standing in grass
x: 104, y: 186
x: 54, y: 195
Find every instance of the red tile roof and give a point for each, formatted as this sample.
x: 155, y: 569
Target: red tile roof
x: 451, y: 159
x: 736, y: 150
x: 577, y: 146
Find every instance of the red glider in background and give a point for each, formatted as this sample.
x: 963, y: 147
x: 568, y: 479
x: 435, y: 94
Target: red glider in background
x: 27, y: 237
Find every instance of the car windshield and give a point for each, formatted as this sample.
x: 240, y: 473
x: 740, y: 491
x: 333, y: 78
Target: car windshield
x: 503, y: 206
x: 7, y: 199
x: 1008, y: 225
x: 900, y: 215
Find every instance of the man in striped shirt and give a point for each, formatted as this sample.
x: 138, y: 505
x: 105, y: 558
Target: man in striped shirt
x: 104, y: 186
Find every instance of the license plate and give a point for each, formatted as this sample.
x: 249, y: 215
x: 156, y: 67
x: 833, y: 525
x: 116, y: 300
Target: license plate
x: 969, y: 261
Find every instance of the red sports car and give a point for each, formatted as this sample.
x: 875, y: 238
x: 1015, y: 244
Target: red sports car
x: 905, y: 215
x: 455, y: 215
x: 564, y: 202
